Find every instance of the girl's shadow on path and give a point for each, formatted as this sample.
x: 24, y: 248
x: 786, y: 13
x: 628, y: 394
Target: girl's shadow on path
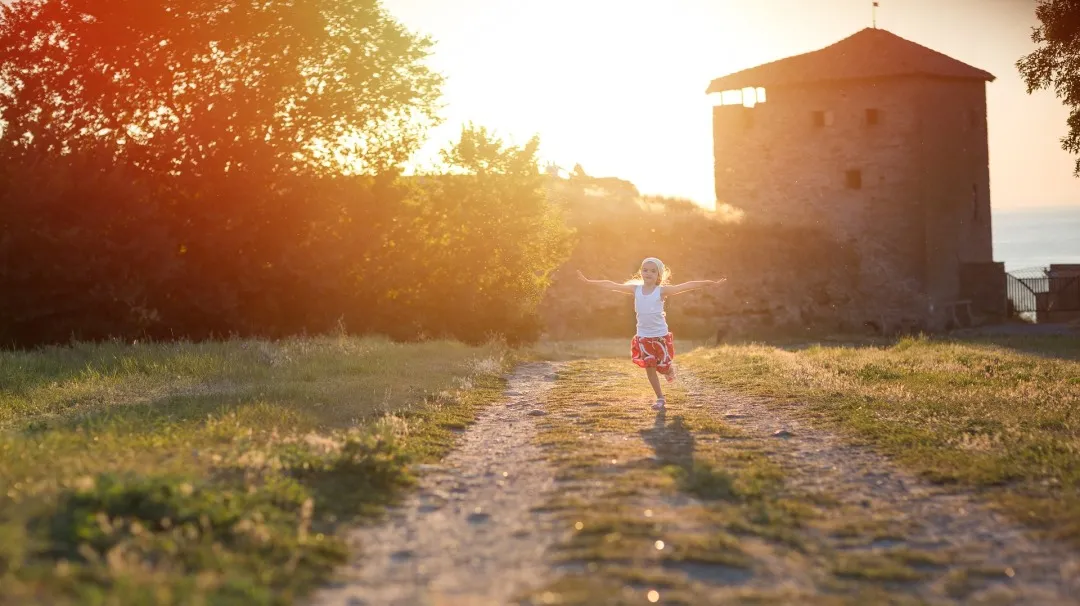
x: 672, y: 443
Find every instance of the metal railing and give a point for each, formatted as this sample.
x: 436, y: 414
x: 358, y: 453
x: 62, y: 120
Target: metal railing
x: 1038, y: 290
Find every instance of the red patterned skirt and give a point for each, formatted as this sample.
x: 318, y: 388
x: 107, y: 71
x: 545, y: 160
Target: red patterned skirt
x: 658, y: 352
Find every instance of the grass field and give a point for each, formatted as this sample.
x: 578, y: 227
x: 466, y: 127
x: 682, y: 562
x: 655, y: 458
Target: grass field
x: 998, y: 415
x: 188, y: 473
x: 997, y: 418
x: 225, y: 472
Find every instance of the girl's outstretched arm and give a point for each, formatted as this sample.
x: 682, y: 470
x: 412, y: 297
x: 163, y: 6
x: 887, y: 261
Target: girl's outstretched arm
x: 607, y: 284
x: 675, y: 289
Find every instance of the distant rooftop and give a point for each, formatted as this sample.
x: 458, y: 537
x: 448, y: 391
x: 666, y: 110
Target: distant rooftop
x: 870, y: 53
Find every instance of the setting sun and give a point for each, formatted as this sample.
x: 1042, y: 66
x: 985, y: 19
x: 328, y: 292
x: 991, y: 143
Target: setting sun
x: 616, y: 86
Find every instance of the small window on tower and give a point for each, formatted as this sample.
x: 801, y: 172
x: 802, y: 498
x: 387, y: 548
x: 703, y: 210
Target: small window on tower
x: 821, y: 118
x: 872, y: 116
x: 853, y: 179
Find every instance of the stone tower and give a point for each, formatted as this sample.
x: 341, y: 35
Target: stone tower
x: 882, y: 144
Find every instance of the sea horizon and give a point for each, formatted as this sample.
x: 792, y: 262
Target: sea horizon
x: 1031, y: 237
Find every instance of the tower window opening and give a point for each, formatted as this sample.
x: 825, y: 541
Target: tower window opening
x: 853, y: 179
x: 821, y: 118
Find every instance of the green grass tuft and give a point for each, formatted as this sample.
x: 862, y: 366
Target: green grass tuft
x: 214, y: 472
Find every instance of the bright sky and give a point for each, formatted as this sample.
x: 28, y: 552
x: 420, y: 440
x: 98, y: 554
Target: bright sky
x: 618, y: 85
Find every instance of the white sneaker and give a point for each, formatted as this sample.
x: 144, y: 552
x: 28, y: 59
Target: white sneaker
x: 659, y: 404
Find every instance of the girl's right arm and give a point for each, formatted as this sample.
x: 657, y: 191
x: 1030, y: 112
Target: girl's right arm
x: 607, y: 284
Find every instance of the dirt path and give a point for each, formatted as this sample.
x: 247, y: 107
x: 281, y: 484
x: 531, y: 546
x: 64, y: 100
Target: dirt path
x: 591, y: 516
x: 469, y: 535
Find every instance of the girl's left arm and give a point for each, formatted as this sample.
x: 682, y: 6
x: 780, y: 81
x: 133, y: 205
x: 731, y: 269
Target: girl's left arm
x: 675, y: 289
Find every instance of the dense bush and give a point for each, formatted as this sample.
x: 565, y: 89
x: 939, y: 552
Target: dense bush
x: 91, y: 252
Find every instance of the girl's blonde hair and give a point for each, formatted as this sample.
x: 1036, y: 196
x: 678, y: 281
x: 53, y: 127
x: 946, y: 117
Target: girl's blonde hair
x: 665, y: 275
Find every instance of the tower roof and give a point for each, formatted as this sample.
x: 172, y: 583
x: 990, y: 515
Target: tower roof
x: 870, y: 53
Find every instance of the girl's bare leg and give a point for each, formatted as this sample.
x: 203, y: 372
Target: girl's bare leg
x: 654, y: 380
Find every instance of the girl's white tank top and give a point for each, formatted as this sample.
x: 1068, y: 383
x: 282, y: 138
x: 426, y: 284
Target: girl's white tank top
x: 651, y: 320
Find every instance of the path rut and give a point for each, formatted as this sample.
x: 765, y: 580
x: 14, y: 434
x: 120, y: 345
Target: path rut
x: 470, y: 533
x: 1015, y: 568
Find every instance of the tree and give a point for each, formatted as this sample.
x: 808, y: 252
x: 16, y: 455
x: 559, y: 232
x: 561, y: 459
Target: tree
x: 472, y: 251
x: 201, y: 87
x: 1056, y: 63
x: 193, y: 152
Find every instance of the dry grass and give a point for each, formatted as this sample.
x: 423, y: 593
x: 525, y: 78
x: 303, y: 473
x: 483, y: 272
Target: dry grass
x: 1000, y: 415
x: 588, y: 349
x: 178, y: 473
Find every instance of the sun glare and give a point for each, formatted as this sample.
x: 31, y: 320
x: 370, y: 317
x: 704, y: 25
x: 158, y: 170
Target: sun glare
x: 616, y: 87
